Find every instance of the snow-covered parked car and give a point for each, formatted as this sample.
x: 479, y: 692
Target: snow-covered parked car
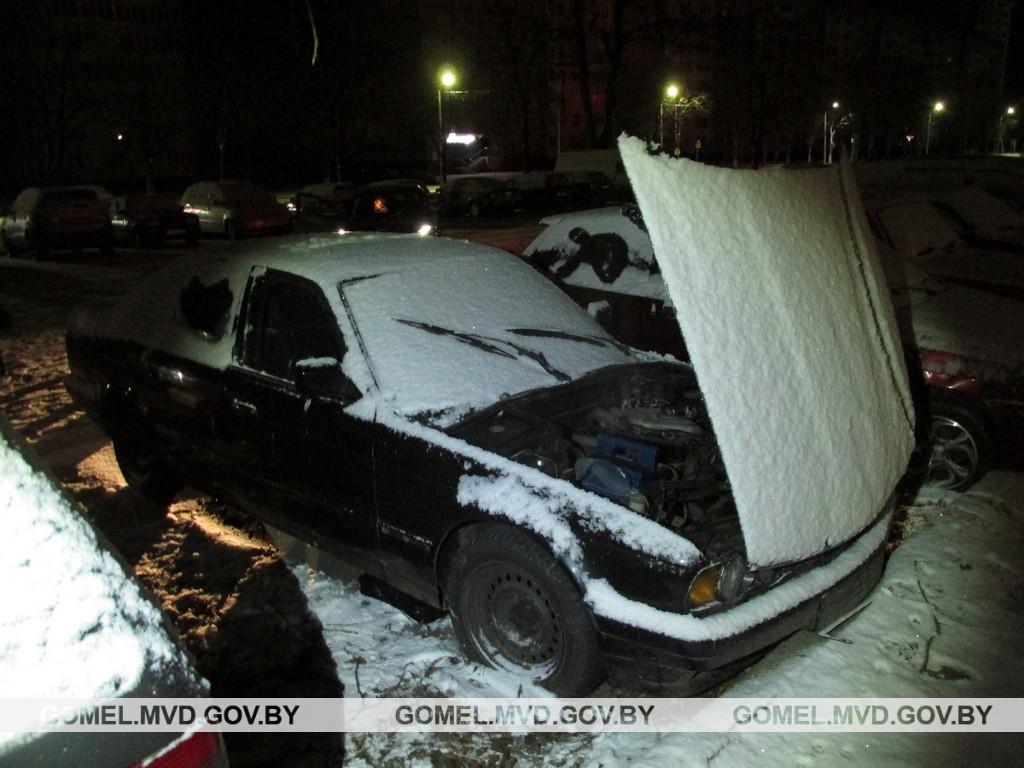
x: 48, y: 218
x: 235, y: 209
x: 446, y: 419
x: 76, y: 625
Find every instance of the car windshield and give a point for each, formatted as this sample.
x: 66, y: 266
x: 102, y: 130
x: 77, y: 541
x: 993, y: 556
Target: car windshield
x: 244, y: 193
x: 152, y: 204
x: 392, y: 202
x: 442, y: 344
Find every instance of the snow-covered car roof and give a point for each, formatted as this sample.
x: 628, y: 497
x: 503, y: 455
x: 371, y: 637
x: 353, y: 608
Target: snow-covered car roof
x: 74, y: 623
x: 449, y: 326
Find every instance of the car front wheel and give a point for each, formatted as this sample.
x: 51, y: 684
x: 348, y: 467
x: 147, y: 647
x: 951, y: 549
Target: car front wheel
x: 959, y: 447
x: 515, y: 608
x: 142, y: 470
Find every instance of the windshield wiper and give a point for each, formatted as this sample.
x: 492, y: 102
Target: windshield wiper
x: 466, y: 338
x: 543, y: 333
x: 490, y: 344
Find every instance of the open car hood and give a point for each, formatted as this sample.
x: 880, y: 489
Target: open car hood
x: 792, y: 335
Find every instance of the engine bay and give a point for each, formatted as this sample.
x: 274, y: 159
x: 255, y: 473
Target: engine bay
x: 638, y: 435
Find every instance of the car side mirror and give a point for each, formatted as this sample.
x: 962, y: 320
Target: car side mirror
x: 323, y: 377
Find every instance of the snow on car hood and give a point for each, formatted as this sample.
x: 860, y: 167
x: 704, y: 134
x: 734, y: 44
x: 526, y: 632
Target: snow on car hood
x: 446, y: 338
x: 792, y: 336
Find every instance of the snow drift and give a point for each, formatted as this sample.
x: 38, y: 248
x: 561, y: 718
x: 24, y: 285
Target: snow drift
x: 792, y: 335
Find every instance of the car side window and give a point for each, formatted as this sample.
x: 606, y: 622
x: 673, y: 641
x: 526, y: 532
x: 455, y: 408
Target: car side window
x: 290, y: 321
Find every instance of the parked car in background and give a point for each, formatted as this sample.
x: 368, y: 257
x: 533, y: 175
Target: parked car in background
x: 964, y: 343
x: 235, y: 209
x: 479, y: 196
x: 150, y: 219
x: 592, y: 188
x: 49, y: 218
x: 449, y: 422
x: 81, y: 626
x: 392, y: 206
x: 326, y: 200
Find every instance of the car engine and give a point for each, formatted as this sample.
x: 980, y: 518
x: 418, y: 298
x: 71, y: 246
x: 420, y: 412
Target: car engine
x: 637, y: 435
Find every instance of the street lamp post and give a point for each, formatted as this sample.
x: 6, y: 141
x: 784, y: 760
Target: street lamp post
x: 937, y: 107
x: 826, y: 139
x: 447, y: 80
x: 671, y: 94
x: 1003, y: 120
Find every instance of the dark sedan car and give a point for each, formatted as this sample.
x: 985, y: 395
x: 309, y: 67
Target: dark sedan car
x: 392, y: 206
x: 478, y: 196
x: 447, y: 420
x: 149, y: 220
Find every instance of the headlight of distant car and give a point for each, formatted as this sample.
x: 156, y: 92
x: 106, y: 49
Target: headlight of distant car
x: 424, y: 230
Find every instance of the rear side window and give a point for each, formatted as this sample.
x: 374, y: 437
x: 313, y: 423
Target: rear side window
x: 289, y: 320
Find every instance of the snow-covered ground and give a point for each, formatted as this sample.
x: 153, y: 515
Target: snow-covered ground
x: 944, y: 621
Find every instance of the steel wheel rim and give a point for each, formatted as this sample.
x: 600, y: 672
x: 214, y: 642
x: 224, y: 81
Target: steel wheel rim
x: 953, y: 457
x: 519, y: 628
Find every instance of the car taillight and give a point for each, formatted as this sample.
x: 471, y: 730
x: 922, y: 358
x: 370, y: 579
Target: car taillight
x: 199, y: 750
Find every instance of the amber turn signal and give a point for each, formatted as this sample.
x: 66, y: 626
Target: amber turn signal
x: 703, y: 588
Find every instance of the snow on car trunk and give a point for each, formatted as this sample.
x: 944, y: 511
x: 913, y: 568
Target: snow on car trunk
x: 791, y: 331
x: 73, y: 623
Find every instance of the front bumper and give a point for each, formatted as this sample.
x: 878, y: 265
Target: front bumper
x: 639, y: 657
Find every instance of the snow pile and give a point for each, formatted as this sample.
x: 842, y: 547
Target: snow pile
x: 636, y: 279
x: 72, y: 622
x: 792, y: 336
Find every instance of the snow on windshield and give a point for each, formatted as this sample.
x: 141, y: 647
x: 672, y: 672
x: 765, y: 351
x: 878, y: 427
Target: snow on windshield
x: 446, y: 337
x: 73, y: 623
x: 792, y: 337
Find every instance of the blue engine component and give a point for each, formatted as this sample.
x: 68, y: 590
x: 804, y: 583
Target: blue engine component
x: 622, y: 467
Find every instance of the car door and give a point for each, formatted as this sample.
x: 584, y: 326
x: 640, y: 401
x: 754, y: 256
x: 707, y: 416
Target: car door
x: 302, y: 458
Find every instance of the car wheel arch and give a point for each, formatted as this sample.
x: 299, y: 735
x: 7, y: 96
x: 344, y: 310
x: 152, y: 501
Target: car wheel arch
x: 463, y: 533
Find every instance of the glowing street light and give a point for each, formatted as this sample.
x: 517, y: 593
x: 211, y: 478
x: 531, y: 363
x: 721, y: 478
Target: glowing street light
x: 826, y: 137
x: 447, y: 80
x: 1004, y: 118
x: 937, y: 108
x: 672, y: 92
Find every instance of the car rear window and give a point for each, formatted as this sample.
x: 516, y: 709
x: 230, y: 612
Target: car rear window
x: 66, y: 196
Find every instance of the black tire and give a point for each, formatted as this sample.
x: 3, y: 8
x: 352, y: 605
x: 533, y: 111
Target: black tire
x: 960, y: 446
x: 515, y: 608
x: 144, y: 472
x: 233, y: 231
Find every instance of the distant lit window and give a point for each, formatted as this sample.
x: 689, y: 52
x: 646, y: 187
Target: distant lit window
x: 379, y: 206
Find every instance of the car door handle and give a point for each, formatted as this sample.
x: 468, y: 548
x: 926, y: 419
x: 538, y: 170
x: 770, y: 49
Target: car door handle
x: 242, y: 405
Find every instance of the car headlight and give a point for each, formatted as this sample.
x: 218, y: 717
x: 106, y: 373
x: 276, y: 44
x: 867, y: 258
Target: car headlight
x: 424, y: 230
x: 720, y: 582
